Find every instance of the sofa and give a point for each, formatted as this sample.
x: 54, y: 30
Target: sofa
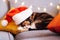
x: 6, y: 36
x: 3, y: 8
x: 27, y: 35
x: 30, y: 35
x: 37, y: 35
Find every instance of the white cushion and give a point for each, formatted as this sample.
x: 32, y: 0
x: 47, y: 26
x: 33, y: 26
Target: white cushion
x: 6, y: 36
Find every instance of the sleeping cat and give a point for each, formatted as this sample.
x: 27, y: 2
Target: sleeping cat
x: 37, y: 21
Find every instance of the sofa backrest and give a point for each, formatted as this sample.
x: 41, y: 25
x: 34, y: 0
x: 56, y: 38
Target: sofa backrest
x: 6, y: 36
x: 48, y: 5
x: 3, y: 8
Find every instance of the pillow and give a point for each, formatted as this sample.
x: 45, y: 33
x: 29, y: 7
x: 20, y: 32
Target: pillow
x: 54, y: 25
x: 11, y: 27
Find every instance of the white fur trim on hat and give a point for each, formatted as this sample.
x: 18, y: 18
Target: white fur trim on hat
x: 20, y: 17
x: 4, y: 23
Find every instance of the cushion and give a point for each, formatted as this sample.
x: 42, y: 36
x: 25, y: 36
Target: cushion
x: 11, y: 27
x: 37, y: 35
x: 6, y: 36
x: 54, y: 25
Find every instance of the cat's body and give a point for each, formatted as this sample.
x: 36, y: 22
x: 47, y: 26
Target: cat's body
x: 39, y: 21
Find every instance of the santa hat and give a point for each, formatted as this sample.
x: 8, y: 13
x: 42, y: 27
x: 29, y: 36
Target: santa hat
x: 18, y: 15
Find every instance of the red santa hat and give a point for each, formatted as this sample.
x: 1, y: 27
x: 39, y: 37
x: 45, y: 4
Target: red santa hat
x: 18, y: 15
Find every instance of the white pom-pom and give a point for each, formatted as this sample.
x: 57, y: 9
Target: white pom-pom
x: 4, y: 23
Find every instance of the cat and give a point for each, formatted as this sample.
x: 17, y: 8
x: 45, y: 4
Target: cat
x: 37, y: 21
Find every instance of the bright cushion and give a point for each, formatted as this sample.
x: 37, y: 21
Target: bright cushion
x: 54, y: 25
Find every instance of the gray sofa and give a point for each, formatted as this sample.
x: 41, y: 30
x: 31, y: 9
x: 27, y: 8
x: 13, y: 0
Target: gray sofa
x: 3, y: 7
x: 37, y: 35
x: 6, y: 36
x: 29, y: 35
